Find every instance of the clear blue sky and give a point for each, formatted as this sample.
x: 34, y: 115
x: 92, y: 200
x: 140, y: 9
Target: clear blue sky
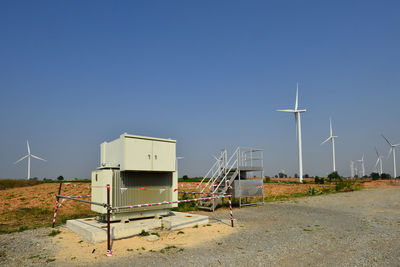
x: 209, y: 74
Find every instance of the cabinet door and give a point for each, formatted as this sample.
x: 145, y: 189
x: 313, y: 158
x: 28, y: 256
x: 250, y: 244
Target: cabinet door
x: 138, y: 155
x: 164, y: 156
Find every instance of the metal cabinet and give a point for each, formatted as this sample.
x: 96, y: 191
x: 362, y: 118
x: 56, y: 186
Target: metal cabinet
x: 139, y: 153
x: 139, y: 170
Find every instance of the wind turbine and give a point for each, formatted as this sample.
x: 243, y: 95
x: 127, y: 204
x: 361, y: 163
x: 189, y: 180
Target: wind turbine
x: 393, y: 150
x: 378, y: 161
x: 176, y: 163
x: 332, y: 139
x: 29, y: 156
x: 362, y: 165
x: 297, y: 113
x: 352, y: 169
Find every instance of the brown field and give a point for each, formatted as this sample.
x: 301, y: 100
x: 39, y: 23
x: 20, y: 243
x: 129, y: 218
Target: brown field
x: 33, y: 206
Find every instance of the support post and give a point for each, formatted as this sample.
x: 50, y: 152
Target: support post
x: 109, y: 251
x: 230, y: 204
x: 57, y: 205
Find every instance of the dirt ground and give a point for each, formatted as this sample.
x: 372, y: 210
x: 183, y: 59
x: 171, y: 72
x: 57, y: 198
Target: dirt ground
x: 358, y: 228
x: 34, y: 206
x: 72, y: 249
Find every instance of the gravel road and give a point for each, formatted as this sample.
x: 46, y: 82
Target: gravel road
x: 347, y: 229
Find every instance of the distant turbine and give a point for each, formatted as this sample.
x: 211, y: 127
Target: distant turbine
x: 362, y: 165
x: 351, y: 169
x: 176, y: 163
x: 378, y: 161
x: 332, y: 138
x: 29, y: 159
x: 393, y: 150
x: 297, y: 113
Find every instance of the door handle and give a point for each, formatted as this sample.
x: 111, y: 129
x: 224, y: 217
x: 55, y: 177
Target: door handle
x: 155, y: 156
x: 149, y: 156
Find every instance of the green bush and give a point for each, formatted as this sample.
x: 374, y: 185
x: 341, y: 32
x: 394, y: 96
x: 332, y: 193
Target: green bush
x: 345, y: 186
x: 334, y: 176
x: 375, y: 176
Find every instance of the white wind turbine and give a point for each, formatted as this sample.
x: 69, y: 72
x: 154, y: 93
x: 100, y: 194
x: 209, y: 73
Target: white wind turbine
x: 392, y: 150
x: 29, y: 159
x: 352, y: 169
x: 332, y: 139
x: 362, y: 165
x: 378, y: 161
x: 297, y: 113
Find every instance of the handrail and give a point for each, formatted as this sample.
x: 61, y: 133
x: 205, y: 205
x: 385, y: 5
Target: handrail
x: 228, y: 164
x: 205, y: 176
x: 226, y: 175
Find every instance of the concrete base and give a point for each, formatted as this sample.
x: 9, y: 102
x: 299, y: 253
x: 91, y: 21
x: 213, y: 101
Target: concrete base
x: 93, y: 231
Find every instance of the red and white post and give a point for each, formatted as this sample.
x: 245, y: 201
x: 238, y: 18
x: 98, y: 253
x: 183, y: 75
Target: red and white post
x: 109, y: 251
x: 230, y: 203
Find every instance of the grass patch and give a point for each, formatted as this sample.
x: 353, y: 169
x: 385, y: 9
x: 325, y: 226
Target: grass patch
x: 11, y: 183
x: 144, y: 233
x: 181, y: 232
x: 34, y: 256
x: 186, y: 206
x: 155, y: 233
x: 129, y: 249
x: 54, y: 232
x: 50, y: 260
x: 307, y: 230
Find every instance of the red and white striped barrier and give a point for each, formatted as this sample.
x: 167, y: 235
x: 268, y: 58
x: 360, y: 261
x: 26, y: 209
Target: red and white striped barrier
x: 168, y: 202
x: 55, y: 212
x: 200, y: 193
x: 82, y: 196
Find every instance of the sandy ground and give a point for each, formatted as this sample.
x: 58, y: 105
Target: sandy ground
x: 345, y: 229
x: 72, y: 249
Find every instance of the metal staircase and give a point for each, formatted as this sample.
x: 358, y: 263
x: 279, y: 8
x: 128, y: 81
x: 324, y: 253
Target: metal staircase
x: 225, y: 171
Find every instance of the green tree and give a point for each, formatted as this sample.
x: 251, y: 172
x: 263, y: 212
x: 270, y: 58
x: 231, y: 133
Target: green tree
x: 296, y: 175
x: 385, y: 176
x: 375, y: 176
x: 60, y: 178
x: 334, y: 176
x: 282, y: 175
x: 185, y: 177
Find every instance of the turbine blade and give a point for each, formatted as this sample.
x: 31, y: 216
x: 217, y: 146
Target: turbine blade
x: 377, y: 153
x: 330, y: 124
x: 29, y: 149
x: 377, y: 162
x: 36, y: 157
x: 296, y: 105
x: 390, y: 151
x: 24, y: 157
x: 387, y: 140
x: 329, y: 138
x: 286, y: 110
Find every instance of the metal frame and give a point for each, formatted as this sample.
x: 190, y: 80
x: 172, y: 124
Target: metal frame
x: 243, y: 160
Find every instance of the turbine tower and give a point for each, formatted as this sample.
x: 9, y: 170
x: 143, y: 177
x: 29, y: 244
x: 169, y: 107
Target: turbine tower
x: 332, y: 139
x: 378, y: 161
x: 362, y: 165
x: 297, y: 113
x: 393, y: 151
x: 29, y: 156
x: 351, y: 169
